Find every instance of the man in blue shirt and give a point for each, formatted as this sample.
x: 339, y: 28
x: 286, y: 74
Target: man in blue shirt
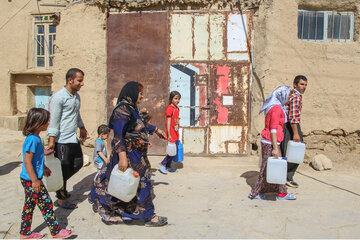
x: 65, y: 119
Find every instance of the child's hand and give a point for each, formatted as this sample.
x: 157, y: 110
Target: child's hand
x: 47, y: 172
x: 149, y: 145
x: 36, y: 185
x: 106, y: 160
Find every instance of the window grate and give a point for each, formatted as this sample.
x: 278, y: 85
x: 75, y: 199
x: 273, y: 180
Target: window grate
x: 325, y: 25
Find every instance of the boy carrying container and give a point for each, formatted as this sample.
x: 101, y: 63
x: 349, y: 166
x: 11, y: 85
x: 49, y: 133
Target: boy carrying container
x: 100, y: 154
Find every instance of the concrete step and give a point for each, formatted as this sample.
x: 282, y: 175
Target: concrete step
x: 13, y: 122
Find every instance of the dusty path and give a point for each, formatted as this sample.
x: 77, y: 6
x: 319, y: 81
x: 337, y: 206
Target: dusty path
x: 206, y: 198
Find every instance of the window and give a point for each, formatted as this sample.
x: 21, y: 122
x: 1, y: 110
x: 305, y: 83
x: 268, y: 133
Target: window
x: 325, y: 25
x: 45, y: 35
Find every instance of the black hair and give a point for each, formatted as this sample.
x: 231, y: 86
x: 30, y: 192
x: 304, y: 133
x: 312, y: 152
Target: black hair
x: 172, y: 95
x: 145, y: 116
x: 103, y: 129
x: 298, y: 78
x: 71, y: 73
x: 35, y: 118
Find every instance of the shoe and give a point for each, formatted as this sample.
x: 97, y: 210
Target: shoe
x: 287, y: 197
x: 292, y: 184
x: 162, y: 168
x: 33, y: 235
x: 259, y: 196
x: 160, y: 222
x: 170, y: 169
x: 64, y: 233
x: 66, y: 205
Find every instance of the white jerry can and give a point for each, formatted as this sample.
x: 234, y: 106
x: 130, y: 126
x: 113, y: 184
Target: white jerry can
x: 55, y: 181
x: 295, y: 152
x: 276, y: 170
x: 123, y: 185
x: 171, y: 149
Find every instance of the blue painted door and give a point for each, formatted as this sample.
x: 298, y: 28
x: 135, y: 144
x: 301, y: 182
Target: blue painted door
x: 42, y: 95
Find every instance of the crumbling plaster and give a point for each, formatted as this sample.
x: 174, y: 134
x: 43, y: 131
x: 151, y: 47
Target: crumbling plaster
x: 330, y: 102
x: 81, y: 43
x: 332, y: 68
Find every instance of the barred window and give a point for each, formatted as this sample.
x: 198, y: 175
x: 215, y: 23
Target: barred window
x: 44, y: 36
x: 325, y: 25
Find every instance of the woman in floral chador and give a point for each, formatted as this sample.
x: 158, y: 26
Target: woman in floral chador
x: 129, y: 149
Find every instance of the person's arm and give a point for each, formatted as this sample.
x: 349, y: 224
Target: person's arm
x: 30, y: 171
x: 56, y: 106
x: 294, y: 117
x: 296, y: 136
x: 276, y: 151
x: 168, y: 127
x: 120, y: 120
x: 275, y: 113
x: 102, y: 156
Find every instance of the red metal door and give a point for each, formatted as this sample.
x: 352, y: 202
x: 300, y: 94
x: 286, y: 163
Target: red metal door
x: 137, y: 49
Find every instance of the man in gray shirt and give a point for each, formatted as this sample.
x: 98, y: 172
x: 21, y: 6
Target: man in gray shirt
x: 65, y: 119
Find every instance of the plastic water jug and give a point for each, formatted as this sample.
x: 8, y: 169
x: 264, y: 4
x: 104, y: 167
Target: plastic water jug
x: 55, y: 181
x: 179, y: 157
x: 295, y: 152
x: 171, y: 149
x: 123, y: 185
x: 276, y: 170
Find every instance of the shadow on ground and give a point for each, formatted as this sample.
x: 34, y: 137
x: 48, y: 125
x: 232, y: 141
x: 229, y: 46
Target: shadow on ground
x: 8, y: 167
x: 77, y: 195
x: 251, y: 177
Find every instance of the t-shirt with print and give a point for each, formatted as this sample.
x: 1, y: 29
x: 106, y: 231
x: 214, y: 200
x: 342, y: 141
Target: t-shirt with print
x: 173, y: 112
x: 34, y: 145
x: 99, y: 146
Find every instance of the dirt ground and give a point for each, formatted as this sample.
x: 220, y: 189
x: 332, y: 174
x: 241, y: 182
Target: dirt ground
x: 205, y: 198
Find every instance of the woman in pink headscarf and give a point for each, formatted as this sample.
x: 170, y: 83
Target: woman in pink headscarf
x: 271, y: 137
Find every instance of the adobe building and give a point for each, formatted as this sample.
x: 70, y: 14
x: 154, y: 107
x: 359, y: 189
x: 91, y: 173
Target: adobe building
x: 224, y: 57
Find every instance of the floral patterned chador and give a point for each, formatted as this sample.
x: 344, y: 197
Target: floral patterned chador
x: 130, y: 135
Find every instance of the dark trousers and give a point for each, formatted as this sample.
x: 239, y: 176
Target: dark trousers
x: 169, y: 159
x: 71, y: 157
x: 289, y: 135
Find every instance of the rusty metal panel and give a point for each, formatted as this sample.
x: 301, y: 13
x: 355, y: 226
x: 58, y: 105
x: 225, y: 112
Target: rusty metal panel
x: 201, y: 37
x: 181, y: 36
x: 229, y: 92
x: 221, y: 137
x: 137, y: 50
x: 216, y: 28
x: 194, y: 140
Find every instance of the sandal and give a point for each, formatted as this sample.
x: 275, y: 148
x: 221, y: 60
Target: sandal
x: 160, y: 222
x: 66, y: 205
x: 64, y: 233
x: 33, y: 235
x: 259, y: 196
x: 287, y: 197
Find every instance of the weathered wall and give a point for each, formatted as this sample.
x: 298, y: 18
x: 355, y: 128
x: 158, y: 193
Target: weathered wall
x: 16, y: 46
x: 332, y: 68
x: 81, y: 43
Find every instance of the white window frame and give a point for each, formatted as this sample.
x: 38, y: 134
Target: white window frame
x: 46, y: 53
x: 325, y: 27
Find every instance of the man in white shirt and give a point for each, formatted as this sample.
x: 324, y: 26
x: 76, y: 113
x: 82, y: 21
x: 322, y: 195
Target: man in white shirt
x: 64, y: 120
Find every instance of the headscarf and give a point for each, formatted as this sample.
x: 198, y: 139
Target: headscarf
x: 277, y: 97
x: 129, y: 92
x: 128, y: 95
